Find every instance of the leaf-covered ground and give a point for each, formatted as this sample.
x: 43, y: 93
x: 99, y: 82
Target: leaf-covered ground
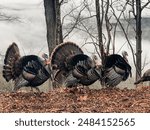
x: 104, y: 100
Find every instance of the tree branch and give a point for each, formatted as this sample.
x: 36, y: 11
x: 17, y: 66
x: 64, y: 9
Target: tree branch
x: 107, y: 28
x: 70, y: 13
x: 126, y: 36
x: 145, y: 5
x: 75, y: 23
x: 4, y: 17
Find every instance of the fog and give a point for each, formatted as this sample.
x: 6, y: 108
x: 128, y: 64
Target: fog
x: 20, y: 1
x: 30, y: 31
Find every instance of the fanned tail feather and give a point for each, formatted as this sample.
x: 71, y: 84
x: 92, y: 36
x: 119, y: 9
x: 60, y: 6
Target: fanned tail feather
x: 62, y: 52
x: 11, y: 57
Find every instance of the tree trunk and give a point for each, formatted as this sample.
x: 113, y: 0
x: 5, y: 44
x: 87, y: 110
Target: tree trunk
x: 53, y: 22
x: 50, y: 16
x: 99, y: 29
x: 138, y: 39
x: 59, y: 36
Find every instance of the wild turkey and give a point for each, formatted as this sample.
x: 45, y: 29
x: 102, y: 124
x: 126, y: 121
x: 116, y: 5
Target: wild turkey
x: 72, y: 66
x: 26, y: 71
x: 145, y: 77
x: 116, y: 69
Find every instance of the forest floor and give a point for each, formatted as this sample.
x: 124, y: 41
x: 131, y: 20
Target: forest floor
x: 103, y: 100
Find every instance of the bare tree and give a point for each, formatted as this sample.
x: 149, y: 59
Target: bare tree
x: 99, y: 29
x: 137, y: 8
x: 53, y: 22
x: 138, y: 40
x: 59, y: 35
x: 104, y: 13
x: 50, y: 16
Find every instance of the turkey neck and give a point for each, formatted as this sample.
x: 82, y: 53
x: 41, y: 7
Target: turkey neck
x: 125, y: 58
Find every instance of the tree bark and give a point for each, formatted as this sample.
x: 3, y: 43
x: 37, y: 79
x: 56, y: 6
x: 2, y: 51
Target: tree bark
x: 138, y: 39
x: 50, y: 16
x: 59, y: 36
x: 99, y: 29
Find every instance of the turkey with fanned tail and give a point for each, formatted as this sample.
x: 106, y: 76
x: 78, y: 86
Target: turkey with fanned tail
x: 73, y: 67
x: 116, y: 69
x: 25, y: 71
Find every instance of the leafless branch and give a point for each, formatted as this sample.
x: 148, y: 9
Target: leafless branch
x: 63, y: 2
x: 107, y: 27
x: 116, y: 24
x: 87, y: 5
x: 145, y: 5
x: 85, y: 18
x: 87, y: 31
x: 126, y: 36
x: 95, y: 46
x: 70, y: 13
x: 91, y: 36
x: 132, y: 4
x: 75, y: 23
x: 102, y: 14
x: 4, y: 17
x: 145, y: 63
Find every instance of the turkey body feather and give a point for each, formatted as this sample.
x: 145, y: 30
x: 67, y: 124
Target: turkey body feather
x: 116, y: 69
x: 29, y: 70
x: 74, y: 67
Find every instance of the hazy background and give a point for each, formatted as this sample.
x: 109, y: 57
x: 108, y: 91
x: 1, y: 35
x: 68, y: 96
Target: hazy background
x: 30, y: 31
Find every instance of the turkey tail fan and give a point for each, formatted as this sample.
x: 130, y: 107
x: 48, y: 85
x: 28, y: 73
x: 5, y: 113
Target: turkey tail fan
x: 62, y: 52
x: 12, y: 55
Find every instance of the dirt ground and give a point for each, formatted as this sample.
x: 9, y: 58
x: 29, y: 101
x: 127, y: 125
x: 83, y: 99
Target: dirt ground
x: 104, y: 100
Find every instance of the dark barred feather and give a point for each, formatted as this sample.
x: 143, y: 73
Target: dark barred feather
x: 116, y: 70
x: 62, y: 53
x: 11, y: 57
x: 73, y: 66
x: 28, y: 70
